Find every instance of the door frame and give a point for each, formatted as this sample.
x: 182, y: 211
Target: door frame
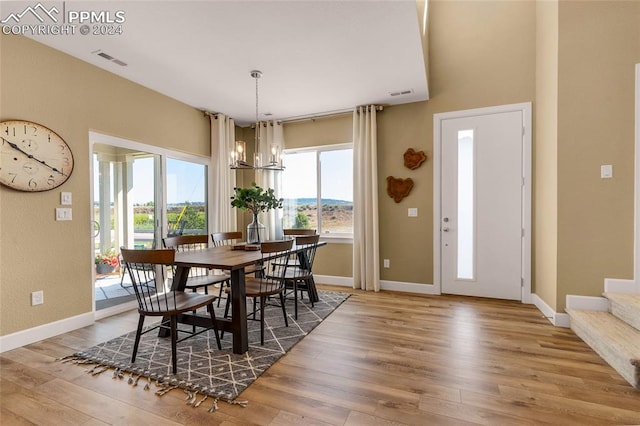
x: 525, y: 109
x: 106, y: 139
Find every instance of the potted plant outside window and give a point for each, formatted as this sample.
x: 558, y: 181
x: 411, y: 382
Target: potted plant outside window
x: 256, y: 200
x: 106, y: 262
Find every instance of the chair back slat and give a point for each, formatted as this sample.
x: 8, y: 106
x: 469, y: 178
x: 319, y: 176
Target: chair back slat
x: 147, y: 270
x: 274, y: 265
x: 185, y: 243
x: 306, y: 256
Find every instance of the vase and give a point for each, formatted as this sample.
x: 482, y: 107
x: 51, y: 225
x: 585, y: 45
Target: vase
x: 103, y: 268
x: 256, y: 232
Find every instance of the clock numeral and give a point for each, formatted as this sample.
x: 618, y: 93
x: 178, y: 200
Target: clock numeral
x: 13, y: 176
x: 33, y: 184
x: 51, y: 181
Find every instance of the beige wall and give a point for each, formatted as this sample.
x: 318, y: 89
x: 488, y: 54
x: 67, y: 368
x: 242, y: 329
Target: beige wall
x: 599, y: 43
x: 71, y: 97
x: 545, y: 155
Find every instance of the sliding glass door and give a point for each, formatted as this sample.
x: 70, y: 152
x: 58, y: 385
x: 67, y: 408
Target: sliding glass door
x: 139, y: 197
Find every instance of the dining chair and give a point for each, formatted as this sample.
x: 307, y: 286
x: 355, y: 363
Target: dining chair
x: 144, y: 264
x: 269, y: 283
x: 198, y: 277
x: 299, y: 276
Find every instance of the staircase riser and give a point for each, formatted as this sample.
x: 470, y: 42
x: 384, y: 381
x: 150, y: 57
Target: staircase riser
x: 626, y: 314
x: 620, y: 363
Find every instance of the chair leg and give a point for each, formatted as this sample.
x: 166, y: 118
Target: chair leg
x: 284, y: 309
x: 222, y: 284
x: 174, y: 345
x: 295, y: 298
x: 226, y: 312
x: 262, y: 302
x: 215, y: 324
x: 137, y: 341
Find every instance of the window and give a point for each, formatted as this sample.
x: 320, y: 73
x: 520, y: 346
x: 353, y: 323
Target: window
x: 186, y: 197
x: 317, y: 187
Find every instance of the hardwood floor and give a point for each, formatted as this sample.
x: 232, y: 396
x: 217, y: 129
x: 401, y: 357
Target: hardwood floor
x: 379, y: 359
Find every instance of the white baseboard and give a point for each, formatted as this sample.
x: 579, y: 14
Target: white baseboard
x: 404, y: 287
x: 587, y: 303
x: 333, y: 280
x: 35, y: 334
x: 559, y: 320
x: 400, y: 286
x: 612, y: 285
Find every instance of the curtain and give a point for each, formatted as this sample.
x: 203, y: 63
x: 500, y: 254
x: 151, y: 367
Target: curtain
x: 366, y: 257
x: 222, y: 216
x: 270, y: 136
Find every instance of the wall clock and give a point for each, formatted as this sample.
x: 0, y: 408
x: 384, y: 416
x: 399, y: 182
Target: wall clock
x: 33, y: 158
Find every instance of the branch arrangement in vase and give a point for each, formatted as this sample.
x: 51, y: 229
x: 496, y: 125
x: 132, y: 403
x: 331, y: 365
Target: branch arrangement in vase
x: 256, y: 200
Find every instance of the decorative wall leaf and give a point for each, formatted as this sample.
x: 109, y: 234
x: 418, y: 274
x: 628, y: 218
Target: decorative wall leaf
x: 413, y: 159
x: 398, y: 188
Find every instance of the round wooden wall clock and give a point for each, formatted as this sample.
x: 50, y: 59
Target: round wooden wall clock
x: 33, y: 158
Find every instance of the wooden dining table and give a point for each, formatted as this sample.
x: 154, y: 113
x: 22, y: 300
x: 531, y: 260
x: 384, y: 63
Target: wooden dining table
x: 234, y: 262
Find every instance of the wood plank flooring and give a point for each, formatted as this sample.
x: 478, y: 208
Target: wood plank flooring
x: 379, y: 359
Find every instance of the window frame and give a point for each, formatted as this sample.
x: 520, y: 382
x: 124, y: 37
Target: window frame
x: 337, y: 237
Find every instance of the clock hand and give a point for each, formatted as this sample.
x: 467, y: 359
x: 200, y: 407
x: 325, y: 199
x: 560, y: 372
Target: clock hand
x: 17, y: 148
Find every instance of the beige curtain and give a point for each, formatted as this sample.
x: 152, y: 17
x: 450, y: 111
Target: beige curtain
x: 366, y: 258
x: 222, y: 216
x: 270, y: 136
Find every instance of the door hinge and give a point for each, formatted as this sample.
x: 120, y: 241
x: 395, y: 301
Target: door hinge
x: 521, y: 282
x: 522, y: 233
x: 523, y: 131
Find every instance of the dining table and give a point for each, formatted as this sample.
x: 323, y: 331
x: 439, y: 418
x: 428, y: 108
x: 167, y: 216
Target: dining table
x: 234, y: 263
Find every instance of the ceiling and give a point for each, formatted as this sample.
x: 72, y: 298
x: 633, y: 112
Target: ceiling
x: 316, y: 56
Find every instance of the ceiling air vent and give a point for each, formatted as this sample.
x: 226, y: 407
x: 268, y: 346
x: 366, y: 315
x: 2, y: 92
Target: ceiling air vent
x: 109, y: 57
x: 401, y: 92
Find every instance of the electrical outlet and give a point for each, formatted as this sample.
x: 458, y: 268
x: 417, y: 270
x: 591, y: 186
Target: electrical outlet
x: 37, y: 298
x: 412, y: 212
x: 386, y: 263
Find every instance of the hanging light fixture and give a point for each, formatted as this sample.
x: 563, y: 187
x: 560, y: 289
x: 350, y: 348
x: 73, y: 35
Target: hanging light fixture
x: 239, y: 153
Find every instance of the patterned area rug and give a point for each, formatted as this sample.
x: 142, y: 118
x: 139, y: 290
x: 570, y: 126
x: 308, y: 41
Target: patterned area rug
x: 203, y: 370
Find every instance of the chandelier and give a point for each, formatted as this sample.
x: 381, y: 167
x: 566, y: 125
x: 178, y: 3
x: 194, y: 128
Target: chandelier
x: 239, y: 154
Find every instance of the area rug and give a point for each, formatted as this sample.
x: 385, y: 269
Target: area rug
x: 203, y: 370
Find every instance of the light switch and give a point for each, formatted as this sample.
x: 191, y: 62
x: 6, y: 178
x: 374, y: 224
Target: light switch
x: 63, y: 213
x: 606, y: 171
x: 413, y: 212
x: 65, y: 198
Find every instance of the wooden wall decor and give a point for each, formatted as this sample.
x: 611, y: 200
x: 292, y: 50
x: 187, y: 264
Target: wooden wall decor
x: 413, y: 159
x: 398, y: 188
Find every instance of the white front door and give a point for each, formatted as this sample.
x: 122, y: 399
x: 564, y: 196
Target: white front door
x: 482, y: 218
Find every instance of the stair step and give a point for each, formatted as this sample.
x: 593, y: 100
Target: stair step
x: 626, y: 307
x: 615, y: 341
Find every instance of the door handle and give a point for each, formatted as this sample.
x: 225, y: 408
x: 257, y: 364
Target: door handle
x: 445, y: 229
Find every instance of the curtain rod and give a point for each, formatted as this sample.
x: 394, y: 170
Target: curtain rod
x: 326, y: 114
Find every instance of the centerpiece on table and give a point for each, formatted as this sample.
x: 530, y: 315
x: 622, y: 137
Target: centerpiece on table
x: 256, y: 200
x: 106, y: 262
